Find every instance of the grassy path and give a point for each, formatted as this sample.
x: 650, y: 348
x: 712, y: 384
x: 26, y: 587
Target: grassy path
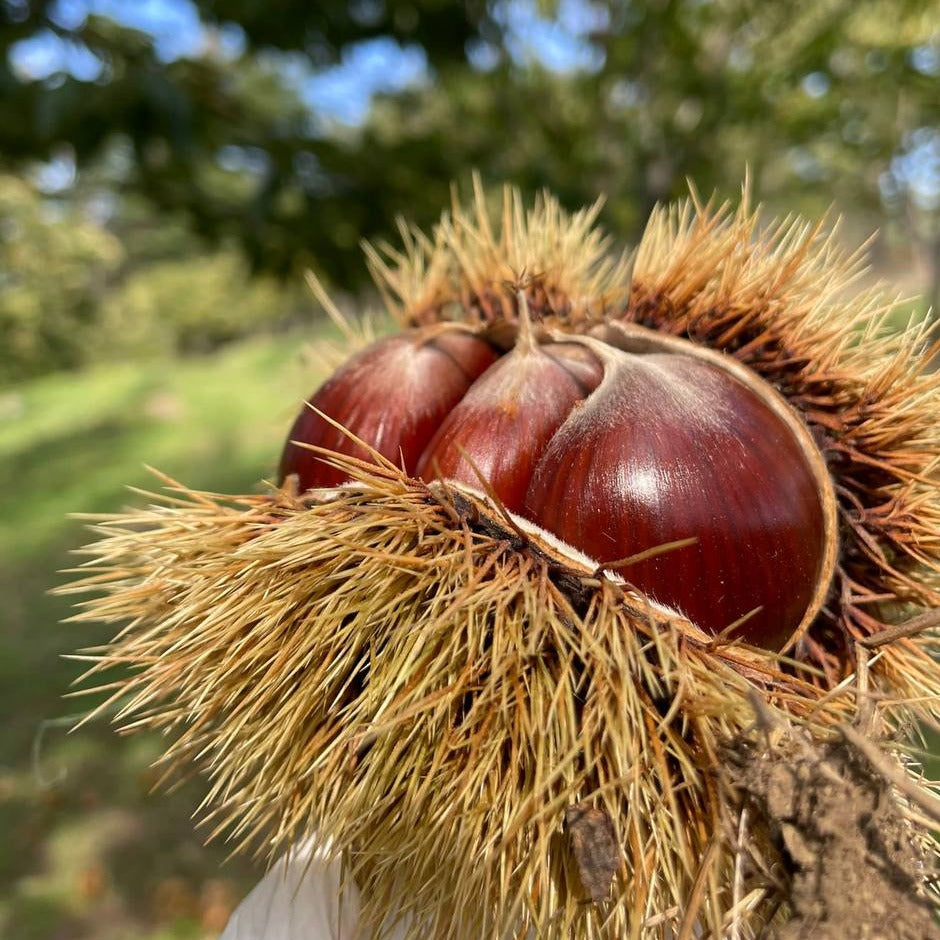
x: 88, y: 853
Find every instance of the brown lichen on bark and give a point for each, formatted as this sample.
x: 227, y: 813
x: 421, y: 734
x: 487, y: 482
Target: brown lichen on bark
x: 845, y: 859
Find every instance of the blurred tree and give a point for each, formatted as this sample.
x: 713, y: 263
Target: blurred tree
x: 628, y: 97
x: 814, y: 101
x: 911, y: 188
x: 54, y: 270
x: 194, y: 305
x: 70, y: 297
x: 225, y: 137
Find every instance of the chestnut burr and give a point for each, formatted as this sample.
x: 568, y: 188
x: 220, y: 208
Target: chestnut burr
x: 515, y: 700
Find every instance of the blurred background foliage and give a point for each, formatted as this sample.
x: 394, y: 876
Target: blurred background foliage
x: 168, y: 171
x: 286, y: 132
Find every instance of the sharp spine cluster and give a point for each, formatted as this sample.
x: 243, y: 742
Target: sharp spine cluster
x: 401, y: 667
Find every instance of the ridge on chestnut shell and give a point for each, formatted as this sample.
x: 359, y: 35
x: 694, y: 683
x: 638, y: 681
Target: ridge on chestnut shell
x: 615, y: 443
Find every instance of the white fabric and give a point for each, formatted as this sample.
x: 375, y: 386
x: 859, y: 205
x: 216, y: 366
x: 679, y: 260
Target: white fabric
x: 300, y: 899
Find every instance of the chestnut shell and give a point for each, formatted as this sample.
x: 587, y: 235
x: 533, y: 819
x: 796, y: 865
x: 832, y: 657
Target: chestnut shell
x: 671, y: 448
x: 500, y: 428
x: 393, y: 396
x: 618, y: 444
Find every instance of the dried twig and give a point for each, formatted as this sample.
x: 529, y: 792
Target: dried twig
x: 892, y: 772
x: 909, y: 628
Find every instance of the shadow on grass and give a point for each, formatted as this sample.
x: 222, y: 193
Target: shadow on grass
x: 89, y: 850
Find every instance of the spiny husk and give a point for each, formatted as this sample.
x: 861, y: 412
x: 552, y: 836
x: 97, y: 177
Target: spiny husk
x: 474, y: 266
x: 431, y: 694
x: 781, y: 301
x: 785, y: 300
x: 405, y: 672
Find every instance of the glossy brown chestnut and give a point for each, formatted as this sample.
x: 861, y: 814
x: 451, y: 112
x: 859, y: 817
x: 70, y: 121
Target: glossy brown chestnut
x: 670, y: 447
x: 393, y: 396
x: 500, y: 428
x: 617, y: 443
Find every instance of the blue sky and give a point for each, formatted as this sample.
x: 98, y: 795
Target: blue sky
x: 340, y: 93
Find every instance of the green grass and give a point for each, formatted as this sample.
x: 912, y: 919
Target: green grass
x: 79, y: 439
x: 88, y: 852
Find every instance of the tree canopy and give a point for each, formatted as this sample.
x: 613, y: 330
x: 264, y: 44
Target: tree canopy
x: 827, y: 102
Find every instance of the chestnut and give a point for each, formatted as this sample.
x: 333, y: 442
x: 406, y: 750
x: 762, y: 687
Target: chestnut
x: 672, y: 446
x: 502, y: 425
x: 616, y: 443
x: 393, y: 395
